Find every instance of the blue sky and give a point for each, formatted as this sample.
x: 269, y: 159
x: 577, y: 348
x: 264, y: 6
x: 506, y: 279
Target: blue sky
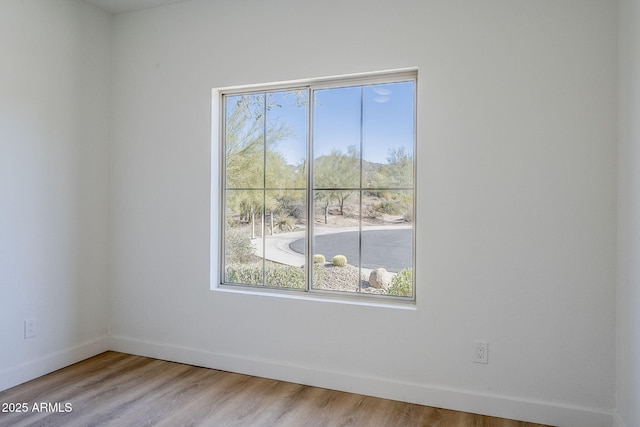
x: 387, y: 119
x: 382, y: 113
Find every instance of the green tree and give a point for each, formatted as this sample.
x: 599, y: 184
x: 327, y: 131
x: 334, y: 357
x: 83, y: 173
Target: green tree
x: 252, y: 160
x: 397, y: 173
x: 322, y: 198
x: 399, y: 170
x: 338, y: 174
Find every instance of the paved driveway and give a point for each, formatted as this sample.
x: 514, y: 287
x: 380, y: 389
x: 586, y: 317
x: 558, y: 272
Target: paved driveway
x: 389, y: 248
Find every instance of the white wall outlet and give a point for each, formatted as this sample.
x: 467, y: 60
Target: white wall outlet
x: 29, y: 328
x: 480, y: 352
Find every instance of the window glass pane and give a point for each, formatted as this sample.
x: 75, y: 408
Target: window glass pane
x: 286, y: 141
x: 336, y: 234
x: 388, y: 147
x: 388, y: 135
x: 387, y: 242
x: 244, y: 141
x: 243, y: 263
x: 336, y: 137
x: 285, y: 241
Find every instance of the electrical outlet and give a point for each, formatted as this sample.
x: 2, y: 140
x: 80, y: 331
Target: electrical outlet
x: 480, y: 352
x: 29, y: 328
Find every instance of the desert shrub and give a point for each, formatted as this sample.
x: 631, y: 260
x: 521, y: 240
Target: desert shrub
x: 339, y: 260
x: 276, y: 275
x: 285, y: 223
x: 232, y: 221
x: 319, y: 259
x: 238, y: 246
x: 319, y: 275
x: 250, y: 274
x: 285, y: 276
x: 281, y: 276
x: 389, y: 207
x: 371, y: 213
x: 290, y: 205
x: 402, y: 283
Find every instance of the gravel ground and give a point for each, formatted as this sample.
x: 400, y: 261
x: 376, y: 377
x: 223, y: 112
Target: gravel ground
x: 344, y: 279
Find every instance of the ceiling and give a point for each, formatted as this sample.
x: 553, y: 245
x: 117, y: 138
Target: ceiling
x: 121, y: 6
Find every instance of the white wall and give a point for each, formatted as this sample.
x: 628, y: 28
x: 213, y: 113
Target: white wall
x: 516, y: 202
x: 54, y: 131
x: 628, y: 335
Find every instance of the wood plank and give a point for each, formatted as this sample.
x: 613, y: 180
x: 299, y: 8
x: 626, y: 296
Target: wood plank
x: 117, y: 389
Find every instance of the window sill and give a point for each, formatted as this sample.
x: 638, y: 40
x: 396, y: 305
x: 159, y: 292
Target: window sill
x: 319, y: 296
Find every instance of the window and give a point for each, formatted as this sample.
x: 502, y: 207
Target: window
x: 318, y: 186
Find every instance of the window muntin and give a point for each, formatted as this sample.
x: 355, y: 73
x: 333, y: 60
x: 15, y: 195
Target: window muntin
x: 341, y: 153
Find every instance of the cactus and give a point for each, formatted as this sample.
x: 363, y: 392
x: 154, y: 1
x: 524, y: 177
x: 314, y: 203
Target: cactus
x: 319, y: 259
x: 339, y: 260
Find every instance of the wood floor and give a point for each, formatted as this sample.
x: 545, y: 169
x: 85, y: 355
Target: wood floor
x: 116, y: 389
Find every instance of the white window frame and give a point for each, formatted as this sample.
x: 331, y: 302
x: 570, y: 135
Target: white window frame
x: 218, y: 126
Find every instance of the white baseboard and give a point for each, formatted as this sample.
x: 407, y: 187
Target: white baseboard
x: 425, y: 394
x: 43, y: 365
